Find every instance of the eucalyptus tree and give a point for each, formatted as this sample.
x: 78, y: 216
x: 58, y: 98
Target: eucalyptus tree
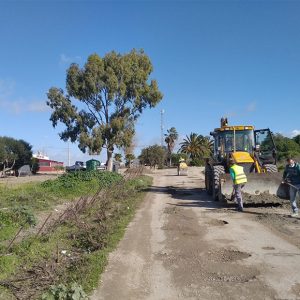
x: 103, y: 100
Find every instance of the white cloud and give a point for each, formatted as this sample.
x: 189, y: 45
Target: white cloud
x: 6, y: 88
x: 251, y: 107
x: 17, y: 106
x: 67, y: 60
x: 22, y: 106
x: 37, y: 106
x: 230, y: 114
x: 295, y: 132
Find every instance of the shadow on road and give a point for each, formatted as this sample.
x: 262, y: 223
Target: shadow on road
x: 198, y: 197
x: 189, y: 197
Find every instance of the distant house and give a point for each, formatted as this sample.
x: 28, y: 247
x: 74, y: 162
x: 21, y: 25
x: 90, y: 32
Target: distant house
x: 46, y: 164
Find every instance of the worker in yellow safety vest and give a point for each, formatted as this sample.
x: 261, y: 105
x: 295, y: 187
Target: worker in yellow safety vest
x: 239, y: 179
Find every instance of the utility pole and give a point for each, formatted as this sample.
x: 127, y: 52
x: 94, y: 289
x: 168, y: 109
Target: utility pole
x: 162, y: 127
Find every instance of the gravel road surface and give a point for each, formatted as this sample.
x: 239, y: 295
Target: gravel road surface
x: 183, y: 245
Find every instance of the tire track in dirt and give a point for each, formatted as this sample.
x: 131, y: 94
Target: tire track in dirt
x: 200, y: 270
x: 183, y: 245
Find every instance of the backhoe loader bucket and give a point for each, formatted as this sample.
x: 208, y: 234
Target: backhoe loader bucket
x: 261, y: 188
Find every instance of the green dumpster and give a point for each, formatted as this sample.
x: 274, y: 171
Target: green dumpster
x: 92, y: 164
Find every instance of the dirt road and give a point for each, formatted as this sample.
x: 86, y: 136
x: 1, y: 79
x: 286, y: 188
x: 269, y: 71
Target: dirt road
x: 12, y: 181
x: 182, y: 245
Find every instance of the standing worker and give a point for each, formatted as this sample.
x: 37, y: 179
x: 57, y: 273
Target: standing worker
x: 239, y: 179
x: 291, y: 176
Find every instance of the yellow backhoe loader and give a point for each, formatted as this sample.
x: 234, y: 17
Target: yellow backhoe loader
x: 256, y: 152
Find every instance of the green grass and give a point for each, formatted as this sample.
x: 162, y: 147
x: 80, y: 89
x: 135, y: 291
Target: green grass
x: 43, y: 195
x: 8, y: 265
x: 88, y: 272
x: 19, y: 205
x: 118, y: 208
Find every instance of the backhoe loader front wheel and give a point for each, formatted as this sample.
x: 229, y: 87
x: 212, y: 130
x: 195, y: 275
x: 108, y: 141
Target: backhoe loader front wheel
x: 216, y: 191
x: 270, y: 168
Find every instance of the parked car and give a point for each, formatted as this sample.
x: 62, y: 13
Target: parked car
x: 78, y: 166
x: 102, y: 166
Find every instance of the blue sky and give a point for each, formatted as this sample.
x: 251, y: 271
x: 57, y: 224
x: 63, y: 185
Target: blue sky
x: 211, y: 58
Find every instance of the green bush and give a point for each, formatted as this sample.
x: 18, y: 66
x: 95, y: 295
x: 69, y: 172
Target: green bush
x: 176, y: 156
x: 197, y: 162
x: 24, y: 215
x: 62, y: 292
x: 34, y: 165
x: 69, y: 180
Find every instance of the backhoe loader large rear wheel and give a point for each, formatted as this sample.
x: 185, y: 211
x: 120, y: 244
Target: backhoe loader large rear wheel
x: 270, y: 168
x: 217, y: 171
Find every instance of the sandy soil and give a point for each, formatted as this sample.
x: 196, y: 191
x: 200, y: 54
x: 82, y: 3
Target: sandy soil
x: 14, y: 181
x: 182, y: 245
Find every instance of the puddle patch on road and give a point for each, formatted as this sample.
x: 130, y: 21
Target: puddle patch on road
x: 268, y: 248
x: 216, y: 222
x: 226, y: 255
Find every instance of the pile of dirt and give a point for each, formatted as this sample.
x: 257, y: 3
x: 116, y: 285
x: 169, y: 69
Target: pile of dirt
x: 263, y: 198
x: 226, y: 255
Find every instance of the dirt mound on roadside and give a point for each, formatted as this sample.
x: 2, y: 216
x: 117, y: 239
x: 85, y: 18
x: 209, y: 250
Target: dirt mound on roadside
x: 263, y: 198
x: 226, y: 255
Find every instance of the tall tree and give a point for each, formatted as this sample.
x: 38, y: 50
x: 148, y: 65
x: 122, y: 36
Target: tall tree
x: 196, y: 146
x: 297, y: 139
x: 130, y: 147
x: 14, y: 153
x: 286, y: 147
x: 153, y: 155
x: 103, y: 100
x: 170, y: 138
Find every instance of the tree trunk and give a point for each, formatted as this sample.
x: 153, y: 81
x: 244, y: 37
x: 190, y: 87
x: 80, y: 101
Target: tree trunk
x: 109, y: 161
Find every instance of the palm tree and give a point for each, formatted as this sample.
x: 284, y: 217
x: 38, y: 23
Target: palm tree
x: 129, y: 158
x: 118, y: 157
x: 171, y: 138
x: 207, y: 145
x: 196, y: 146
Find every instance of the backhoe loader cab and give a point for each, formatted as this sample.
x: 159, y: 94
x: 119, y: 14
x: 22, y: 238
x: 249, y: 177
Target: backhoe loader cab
x: 253, y: 149
x: 237, y: 141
